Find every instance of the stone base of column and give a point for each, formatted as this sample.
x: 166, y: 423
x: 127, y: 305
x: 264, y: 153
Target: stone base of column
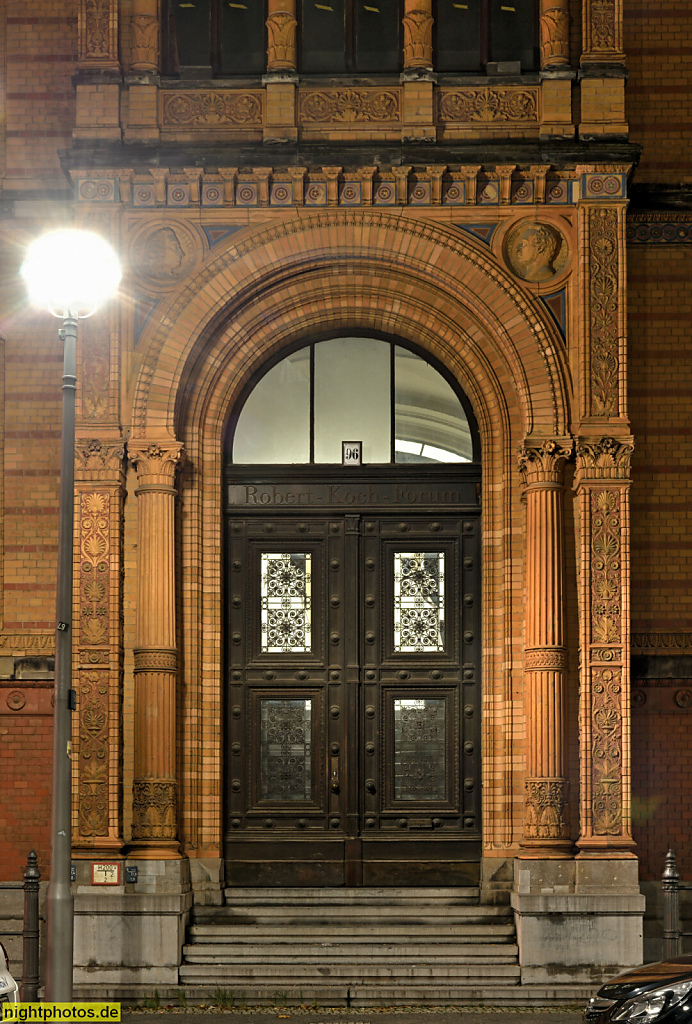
x: 101, y: 847
x: 577, y: 922
x: 132, y: 934
x: 154, y: 849
x: 546, y: 849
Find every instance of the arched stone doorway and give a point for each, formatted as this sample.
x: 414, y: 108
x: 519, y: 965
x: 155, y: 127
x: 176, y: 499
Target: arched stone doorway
x: 257, y: 298
x: 352, y: 628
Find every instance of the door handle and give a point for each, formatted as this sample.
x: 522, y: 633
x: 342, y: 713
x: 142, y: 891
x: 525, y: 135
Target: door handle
x: 334, y: 784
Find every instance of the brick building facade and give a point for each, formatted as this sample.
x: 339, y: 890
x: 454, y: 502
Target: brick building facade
x: 525, y: 231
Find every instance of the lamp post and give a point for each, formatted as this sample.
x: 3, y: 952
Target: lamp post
x: 70, y: 273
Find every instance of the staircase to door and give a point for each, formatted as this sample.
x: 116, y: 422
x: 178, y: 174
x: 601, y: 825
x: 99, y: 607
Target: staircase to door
x: 354, y: 946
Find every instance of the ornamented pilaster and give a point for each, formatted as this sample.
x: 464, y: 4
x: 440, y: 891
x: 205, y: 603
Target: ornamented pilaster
x: 98, y: 34
x: 602, y: 32
x: 546, y: 821
x: 144, y: 28
x: 154, y: 819
x: 603, y: 466
x: 603, y: 380
x: 99, y: 474
x: 554, y: 34
x: 418, y: 26
x: 281, y: 35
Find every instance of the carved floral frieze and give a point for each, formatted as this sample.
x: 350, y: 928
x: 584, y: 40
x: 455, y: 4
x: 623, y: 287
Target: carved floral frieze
x: 349, y: 106
x: 489, y: 105
x: 27, y: 643
x: 212, y: 108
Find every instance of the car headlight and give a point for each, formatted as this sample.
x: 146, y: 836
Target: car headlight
x: 650, y: 1005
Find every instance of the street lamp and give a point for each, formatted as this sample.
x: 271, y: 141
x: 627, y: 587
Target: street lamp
x: 70, y: 273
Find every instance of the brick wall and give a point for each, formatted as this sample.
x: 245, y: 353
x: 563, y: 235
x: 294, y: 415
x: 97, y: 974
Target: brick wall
x: 660, y: 369
x: 41, y: 48
x: 658, y: 43
x: 660, y: 378
x: 26, y: 741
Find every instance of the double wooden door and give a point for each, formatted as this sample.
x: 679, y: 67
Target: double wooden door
x: 353, y: 697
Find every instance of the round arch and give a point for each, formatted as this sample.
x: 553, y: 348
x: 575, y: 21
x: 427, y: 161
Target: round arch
x: 267, y: 292
x: 400, y: 270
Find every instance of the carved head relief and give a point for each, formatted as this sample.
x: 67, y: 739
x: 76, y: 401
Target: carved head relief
x: 535, y: 251
x: 165, y: 255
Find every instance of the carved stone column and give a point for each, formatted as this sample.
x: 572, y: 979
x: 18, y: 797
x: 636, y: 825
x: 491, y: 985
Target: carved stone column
x: 280, y: 84
x: 99, y: 483
x: 603, y: 466
x: 546, y: 787
x: 418, y: 26
x: 144, y: 27
x: 281, y: 35
x: 154, y: 818
x: 554, y: 34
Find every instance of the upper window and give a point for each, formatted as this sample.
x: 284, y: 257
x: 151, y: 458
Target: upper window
x: 228, y: 37
x: 353, y: 389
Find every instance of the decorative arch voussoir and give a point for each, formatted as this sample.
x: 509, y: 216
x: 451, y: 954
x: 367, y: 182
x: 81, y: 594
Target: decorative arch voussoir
x: 381, y: 256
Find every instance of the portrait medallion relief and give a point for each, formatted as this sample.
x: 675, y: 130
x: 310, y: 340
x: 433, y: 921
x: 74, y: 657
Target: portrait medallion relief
x: 165, y: 254
x: 536, y: 251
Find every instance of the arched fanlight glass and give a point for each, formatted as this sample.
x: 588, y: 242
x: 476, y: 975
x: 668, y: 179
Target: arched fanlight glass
x: 352, y: 389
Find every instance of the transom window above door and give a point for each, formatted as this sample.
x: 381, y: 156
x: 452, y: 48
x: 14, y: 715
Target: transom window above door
x: 228, y: 37
x: 353, y: 389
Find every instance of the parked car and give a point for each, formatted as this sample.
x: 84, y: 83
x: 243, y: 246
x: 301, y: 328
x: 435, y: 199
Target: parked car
x: 660, y: 992
x: 9, y: 990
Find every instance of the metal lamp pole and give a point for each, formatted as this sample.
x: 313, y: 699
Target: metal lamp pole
x: 69, y: 272
x: 60, y: 904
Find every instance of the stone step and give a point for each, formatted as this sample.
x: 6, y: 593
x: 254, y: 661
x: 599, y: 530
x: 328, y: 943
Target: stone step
x: 505, y: 993
x: 363, y: 974
x: 350, y: 932
x: 329, y: 951
x: 365, y: 896
x: 328, y: 918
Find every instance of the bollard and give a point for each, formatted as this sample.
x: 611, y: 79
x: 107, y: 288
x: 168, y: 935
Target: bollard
x: 672, y: 938
x: 29, y: 988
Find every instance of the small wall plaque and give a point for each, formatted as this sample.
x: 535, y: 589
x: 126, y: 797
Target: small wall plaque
x: 105, y: 874
x: 351, y: 453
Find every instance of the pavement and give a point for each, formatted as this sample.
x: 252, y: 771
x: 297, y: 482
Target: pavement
x: 369, y: 1015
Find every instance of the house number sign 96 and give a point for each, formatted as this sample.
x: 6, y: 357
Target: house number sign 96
x: 351, y: 453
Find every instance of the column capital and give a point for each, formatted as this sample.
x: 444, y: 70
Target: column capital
x: 155, y: 461
x: 554, y: 34
x: 542, y: 462
x: 94, y: 456
x: 418, y: 27
x: 604, y: 458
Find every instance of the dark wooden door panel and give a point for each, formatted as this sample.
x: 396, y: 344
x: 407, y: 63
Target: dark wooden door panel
x: 353, y: 697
